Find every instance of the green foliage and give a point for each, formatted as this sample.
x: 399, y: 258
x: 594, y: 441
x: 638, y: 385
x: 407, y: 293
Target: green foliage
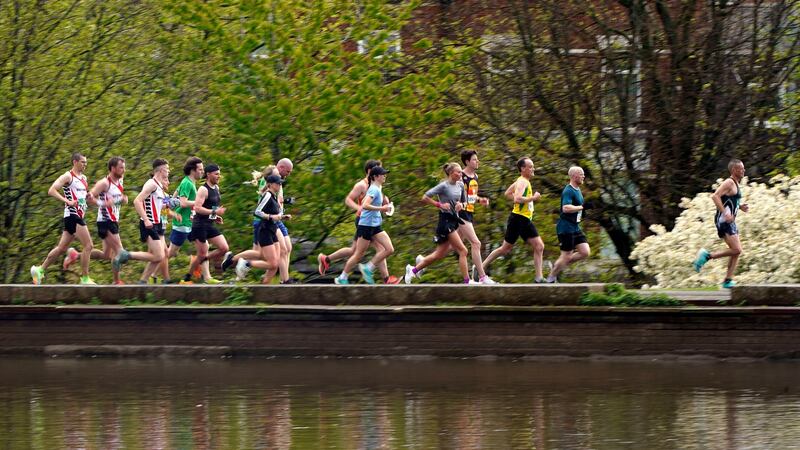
x: 616, y: 295
x: 238, y: 295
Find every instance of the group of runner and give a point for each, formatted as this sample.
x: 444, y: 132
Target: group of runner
x: 195, y: 212
x: 455, y: 199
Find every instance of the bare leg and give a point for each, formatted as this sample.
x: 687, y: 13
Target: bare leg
x: 537, y: 246
x: 82, y: 233
x: 503, y: 250
x: 58, y: 250
x: 467, y: 231
x: 455, y: 241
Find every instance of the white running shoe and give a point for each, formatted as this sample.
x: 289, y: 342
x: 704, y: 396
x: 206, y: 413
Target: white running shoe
x: 409, y: 274
x: 418, y: 260
x: 487, y: 280
x: 473, y: 282
x: 241, y: 269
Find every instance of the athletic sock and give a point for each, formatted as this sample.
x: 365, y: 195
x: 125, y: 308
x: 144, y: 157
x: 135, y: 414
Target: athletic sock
x: 247, y: 263
x: 466, y: 280
x: 550, y: 279
x: 343, y: 275
x: 370, y: 266
x: 415, y: 270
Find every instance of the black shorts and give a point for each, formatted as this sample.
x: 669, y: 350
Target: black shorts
x: 726, y: 228
x: 447, y: 224
x: 105, y: 227
x: 367, y: 232
x: 568, y: 241
x: 519, y: 226
x: 267, y: 235
x: 467, y: 216
x: 71, y: 223
x: 203, y: 231
x: 154, y: 233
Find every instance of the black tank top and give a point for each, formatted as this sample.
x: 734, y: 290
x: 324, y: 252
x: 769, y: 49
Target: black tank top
x: 730, y: 202
x: 212, y: 200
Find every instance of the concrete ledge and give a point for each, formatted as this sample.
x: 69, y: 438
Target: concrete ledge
x: 766, y: 295
x: 453, y: 331
x: 306, y: 294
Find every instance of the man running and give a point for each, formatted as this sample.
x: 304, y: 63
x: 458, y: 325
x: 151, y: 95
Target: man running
x: 520, y: 221
x: 182, y: 219
x: 353, y: 201
x: 467, y: 230
x: 71, y: 189
x: 208, y: 211
x: 727, y: 198
x: 148, y: 205
x: 110, y: 194
x: 571, y: 239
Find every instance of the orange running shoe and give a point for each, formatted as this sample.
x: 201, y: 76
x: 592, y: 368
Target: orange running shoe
x: 392, y: 280
x: 71, y: 257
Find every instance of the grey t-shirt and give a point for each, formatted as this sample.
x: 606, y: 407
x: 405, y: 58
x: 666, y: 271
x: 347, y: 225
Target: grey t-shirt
x: 448, y: 192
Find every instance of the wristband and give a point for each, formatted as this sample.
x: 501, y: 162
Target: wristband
x: 437, y: 204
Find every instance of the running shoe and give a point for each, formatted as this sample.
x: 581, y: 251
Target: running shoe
x: 366, y: 273
x: 487, y: 280
x: 392, y: 280
x: 227, y: 261
x: 122, y: 257
x: 340, y: 280
x: 727, y: 284
x: 212, y: 280
x: 409, y: 274
x: 71, y: 256
x: 241, y: 269
x: 119, y: 282
x: 323, y: 264
x: 186, y: 282
x: 86, y: 280
x: 37, y: 274
x: 418, y: 260
x: 197, y: 274
x: 472, y: 282
x: 540, y: 281
x: 702, y: 258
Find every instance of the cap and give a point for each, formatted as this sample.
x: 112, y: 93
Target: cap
x: 378, y: 170
x: 276, y: 179
x: 211, y: 168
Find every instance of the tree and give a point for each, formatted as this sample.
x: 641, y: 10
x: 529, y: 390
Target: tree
x: 95, y: 77
x: 651, y: 98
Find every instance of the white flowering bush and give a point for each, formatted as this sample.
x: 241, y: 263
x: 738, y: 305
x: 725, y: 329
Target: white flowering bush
x: 769, y: 234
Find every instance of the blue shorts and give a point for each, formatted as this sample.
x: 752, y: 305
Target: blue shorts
x: 256, y: 227
x: 178, y: 237
x: 283, y: 228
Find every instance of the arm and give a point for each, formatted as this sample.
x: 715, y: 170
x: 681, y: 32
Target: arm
x: 427, y: 198
x: 726, y: 188
x: 202, y: 195
x: 352, y: 198
x: 56, y: 187
x: 138, y: 202
x: 99, y: 187
x: 518, y: 191
x: 568, y: 207
x: 367, y: 205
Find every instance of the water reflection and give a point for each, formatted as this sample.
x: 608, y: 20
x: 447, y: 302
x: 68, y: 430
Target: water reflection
x: 391, y: 404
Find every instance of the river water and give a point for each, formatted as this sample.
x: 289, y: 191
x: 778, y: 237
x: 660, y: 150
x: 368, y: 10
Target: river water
x: 387, y: 404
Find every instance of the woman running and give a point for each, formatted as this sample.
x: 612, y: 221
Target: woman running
x: 269, y: 211
x: 452, y: 199
x: 369, y: 230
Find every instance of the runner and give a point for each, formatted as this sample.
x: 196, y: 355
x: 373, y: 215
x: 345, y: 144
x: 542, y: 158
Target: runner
x: 369, y: 230
x: 284, y: 167
x: 110, y: 194
x: 467, y: 230
x: 149, y: 204
x: 269, y: 211
x: 353, y: 201
x: 248, y: 259
x: 572, y: 241
x: 452, y: 199
x: 182, y: 215
x: 208, y: 211
x: 520, y: 221
x: 727, y: 198
x: 73, y: 187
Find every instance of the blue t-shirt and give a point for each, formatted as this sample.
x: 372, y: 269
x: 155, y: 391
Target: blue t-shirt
x: 371, y: 218
x: 570, y: 222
